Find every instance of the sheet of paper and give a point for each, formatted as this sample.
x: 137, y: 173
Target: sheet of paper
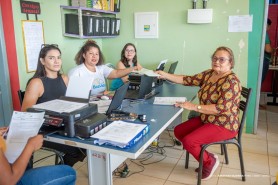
x: 240, y: 23
x: 102, y: 105
x: 168, y: 100
x: 148, y: 72
x: 79, y: 87
x: 23, y: 126
x: 60, y: 106
x: 119, y: 132
x: 163, y: 62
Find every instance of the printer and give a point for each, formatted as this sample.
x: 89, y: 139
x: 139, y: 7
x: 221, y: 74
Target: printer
x: 82, y: 122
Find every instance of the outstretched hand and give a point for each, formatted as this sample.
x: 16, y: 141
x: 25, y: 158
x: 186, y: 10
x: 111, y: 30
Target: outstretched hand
x: 186, y: 105
x: 161, y: 74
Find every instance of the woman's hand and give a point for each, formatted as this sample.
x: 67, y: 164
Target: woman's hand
x: 161, y: 74
x: 135, y: 68
x: 35, y: 142
x: 186, y: 105
x: 3, y: 130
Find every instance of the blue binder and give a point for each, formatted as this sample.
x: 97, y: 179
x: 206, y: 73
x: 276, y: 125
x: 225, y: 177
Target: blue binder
x: 101, y: 140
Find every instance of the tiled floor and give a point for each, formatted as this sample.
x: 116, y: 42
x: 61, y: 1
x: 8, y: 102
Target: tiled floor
x: 260, y: 153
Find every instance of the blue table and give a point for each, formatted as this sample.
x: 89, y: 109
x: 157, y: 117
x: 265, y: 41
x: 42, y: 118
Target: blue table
x: 103, y: 160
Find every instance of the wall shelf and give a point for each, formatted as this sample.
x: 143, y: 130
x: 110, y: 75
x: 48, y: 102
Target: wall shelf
x: 80, y: 12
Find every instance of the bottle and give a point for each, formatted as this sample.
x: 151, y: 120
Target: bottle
x: 155, y: 142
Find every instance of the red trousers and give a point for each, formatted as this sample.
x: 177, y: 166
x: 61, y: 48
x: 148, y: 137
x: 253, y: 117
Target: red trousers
x: 193, y: 133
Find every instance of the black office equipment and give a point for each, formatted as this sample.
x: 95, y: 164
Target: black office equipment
x: 91, y: 125
x: 144, y: 88
x: 173, y: 67
x: 71, y: 24
x: 63, y: 123
x: 113, y: 23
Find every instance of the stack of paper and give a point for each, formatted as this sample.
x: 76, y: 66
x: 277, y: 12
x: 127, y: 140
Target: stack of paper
x: 102, y: 105
x: 147, y: 72
x: 23, y: 126
x: 168, y: 100
x: 121, y: 134
x: 60, y: 106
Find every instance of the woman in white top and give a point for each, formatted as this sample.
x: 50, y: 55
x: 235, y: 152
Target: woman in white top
x: 90, y: 63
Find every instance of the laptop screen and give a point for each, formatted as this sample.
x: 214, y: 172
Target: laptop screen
x: 118, y: 98
x: 173, y: 67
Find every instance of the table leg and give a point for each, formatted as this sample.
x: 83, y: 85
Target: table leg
x: 101, y: 167
x: 99, y: 171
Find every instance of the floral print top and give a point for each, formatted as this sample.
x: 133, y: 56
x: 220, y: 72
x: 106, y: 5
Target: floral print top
x: 224, y: 93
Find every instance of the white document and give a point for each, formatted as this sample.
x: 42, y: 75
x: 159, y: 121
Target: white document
x: 23, y: 126
x: 118, y: 133
x: 240, y: 23
x: 102, y: 105
x: 79, y: 87
x: 147, y: 72
x: 163, y: 62
x: 168, y: 100
x: 60, y: 106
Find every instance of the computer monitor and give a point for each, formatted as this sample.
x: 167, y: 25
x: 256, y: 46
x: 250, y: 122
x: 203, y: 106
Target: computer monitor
x: 173, y: 67
x: 117, y: 98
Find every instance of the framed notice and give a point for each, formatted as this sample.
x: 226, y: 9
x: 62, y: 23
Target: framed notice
x: 33, y: 38
x: 146, y: 24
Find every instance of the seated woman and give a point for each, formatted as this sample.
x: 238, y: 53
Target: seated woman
x: 90, y: 63
x: 49, y: 84
x: 128, y: 59
x: 219, y: 98
x: 15, y: 173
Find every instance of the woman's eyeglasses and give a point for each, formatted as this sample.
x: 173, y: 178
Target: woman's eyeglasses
x: 129, y: 51
x: 220, y: 59
x: 49, y: 45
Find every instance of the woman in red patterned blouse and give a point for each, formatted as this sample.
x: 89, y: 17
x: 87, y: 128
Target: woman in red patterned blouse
x: 219, y: 98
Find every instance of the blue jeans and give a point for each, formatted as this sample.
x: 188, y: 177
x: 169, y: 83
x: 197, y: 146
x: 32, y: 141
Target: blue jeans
x: 50, y: 175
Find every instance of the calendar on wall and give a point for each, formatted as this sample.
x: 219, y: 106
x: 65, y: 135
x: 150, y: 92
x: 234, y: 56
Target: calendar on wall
x: 33, y: 37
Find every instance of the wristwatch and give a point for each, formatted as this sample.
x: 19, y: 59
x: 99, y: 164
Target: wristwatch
x: 199, y: 107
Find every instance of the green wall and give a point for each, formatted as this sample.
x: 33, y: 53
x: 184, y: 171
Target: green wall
x: 255, y: 43
x: 190, y: 44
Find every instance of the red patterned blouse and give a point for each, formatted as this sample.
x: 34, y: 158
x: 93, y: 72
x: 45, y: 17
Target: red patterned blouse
x: 224, y: 93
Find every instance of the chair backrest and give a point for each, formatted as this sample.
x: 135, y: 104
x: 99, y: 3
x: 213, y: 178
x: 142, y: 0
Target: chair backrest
x: 20, y: 94
x: 243, y: 106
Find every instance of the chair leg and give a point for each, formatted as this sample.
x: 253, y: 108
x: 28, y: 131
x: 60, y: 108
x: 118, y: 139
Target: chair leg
x: 201, y: 165
x: 222, y: 149
x: 186, y: 159
x: 56, y: 159
x: 225, y: 153
x: 241, y: 162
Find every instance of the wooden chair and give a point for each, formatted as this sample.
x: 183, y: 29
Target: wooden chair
x: 245, y: 93
x: 58, y: 155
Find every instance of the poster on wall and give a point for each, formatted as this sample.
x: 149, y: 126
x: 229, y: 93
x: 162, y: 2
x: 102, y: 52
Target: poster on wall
x: 33, y: 38
x: 146, y: 24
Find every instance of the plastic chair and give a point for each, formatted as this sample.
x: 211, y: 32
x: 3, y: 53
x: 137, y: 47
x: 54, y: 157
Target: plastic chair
x: 245, y: 93
x: 58, y: 155
x: 108, y: 82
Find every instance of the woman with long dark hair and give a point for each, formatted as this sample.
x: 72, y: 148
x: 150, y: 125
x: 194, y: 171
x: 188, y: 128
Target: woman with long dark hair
x: 128, y: 59
x: 48, y: 84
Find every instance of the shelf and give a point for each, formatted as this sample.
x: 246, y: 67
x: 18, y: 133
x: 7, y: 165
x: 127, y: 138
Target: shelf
x: 88, y: 9
x: 88, y: 37
x: 79, y: 11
